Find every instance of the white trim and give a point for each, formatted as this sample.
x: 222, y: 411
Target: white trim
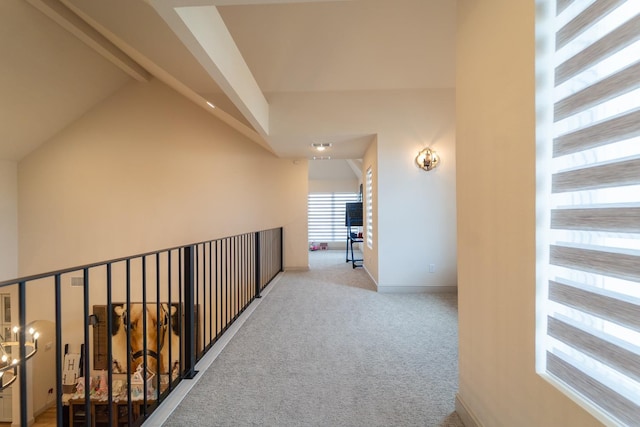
x: 67, y: 19
x: 466, y: 415
x: 368, y: 207
x: 416, y: 289
x: 375, y: 283
x: 326, y: 213
x: 601, y: 416
x: 302, y: 268
x: 563, y: 114
x: 162, y: 413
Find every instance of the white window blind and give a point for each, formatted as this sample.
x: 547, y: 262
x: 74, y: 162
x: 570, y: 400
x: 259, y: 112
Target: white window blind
x: 591, y: 345
x: 327, y: 216
x: 369, y: 207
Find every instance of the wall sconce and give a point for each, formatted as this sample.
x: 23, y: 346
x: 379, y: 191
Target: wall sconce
x: 427, y: 159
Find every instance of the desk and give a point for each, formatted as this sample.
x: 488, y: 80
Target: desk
x: 100, y: 412
x: 351, y: 239
x: 353, y: 218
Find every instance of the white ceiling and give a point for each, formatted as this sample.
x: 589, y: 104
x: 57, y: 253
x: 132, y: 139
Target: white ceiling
x: 48, y: 78
x: 346, y: 45
x: 51, y: 77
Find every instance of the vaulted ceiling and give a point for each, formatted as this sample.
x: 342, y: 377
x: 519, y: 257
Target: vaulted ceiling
x: 61, y: 57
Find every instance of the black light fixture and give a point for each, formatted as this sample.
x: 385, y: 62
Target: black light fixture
x: 8, y: 348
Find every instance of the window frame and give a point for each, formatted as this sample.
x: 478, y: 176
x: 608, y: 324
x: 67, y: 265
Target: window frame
x: 550, y: 323
x: 333, y: 228
x: 369, y: 207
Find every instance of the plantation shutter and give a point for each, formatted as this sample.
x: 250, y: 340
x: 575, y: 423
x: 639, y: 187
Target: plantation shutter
x: 369, y: 208
x: 593, y: 303
x: 326, y: 213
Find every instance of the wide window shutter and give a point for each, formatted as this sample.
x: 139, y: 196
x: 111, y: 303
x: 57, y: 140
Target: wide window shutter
x: 327, y: 216
x: 592, y: 298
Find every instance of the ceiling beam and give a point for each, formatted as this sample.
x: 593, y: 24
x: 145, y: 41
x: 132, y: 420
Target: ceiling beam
x: 245, y: 2
x: 68, y: 20
x: 204, y: 33
x: 176, y: 3
x: 356, y: 167
x: 162, y: 75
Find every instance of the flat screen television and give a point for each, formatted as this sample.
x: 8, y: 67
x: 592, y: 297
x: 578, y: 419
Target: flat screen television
x: 353, y: 216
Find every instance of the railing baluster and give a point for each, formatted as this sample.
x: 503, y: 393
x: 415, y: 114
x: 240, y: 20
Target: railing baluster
x: 232, y: 272
x: 86, y: 364
x: 226, y: 283
x: 181, y: 306
x: 232, y: 281
x: 253, y: 266
x: 190, y: 347
x: 170, y: 321
x: 145, y: 344
x: 218, y: 310
x: 210, y: 293
x: 258, y: 265
x: 243, y: 262
x: 236, y: 282
x: 281, y: 251
x: 109, y: 343
x: 196, y: 287
x: 59, y: 356
x: 128, y: 329
x: 159, y: 325
x: 22, y: 322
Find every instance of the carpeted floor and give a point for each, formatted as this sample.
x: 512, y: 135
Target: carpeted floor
x: 324, y: 349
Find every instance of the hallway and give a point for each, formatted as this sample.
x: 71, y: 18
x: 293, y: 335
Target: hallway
x: 324, y: 349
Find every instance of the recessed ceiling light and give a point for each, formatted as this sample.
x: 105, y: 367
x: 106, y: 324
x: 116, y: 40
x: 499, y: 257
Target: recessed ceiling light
x: 210, y: 104
x: 321, y: 146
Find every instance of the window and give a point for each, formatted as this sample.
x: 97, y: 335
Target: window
x: 327, y: 216
x: 369, y: 208
x: 589, y: 284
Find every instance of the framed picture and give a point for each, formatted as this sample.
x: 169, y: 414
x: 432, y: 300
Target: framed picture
x: 6, y: 309
x: 163, y: 334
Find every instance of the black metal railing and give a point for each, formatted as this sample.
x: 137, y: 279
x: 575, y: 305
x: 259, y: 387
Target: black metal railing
x: 128, y: 330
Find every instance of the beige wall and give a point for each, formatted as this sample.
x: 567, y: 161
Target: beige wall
x: 144, y: 170
x: 8, y: 220
x: 43, y: 377
x: 147, y: 169
x: 495, y: 115
x: 370, y: 255
x: 416, y: 210
x: 334, y: 186
x: 9, y: 242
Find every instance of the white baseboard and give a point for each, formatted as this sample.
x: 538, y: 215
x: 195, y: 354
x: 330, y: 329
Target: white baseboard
x: 297, y: 268
x: 364, y: 267
x: 30, y: 422
x: 465, y: 414
x: 417, y: 289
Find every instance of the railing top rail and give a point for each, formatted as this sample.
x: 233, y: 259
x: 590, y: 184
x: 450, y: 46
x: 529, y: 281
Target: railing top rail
x: 112, y: 261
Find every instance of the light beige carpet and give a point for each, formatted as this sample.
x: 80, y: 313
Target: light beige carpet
x: 324, y: 349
